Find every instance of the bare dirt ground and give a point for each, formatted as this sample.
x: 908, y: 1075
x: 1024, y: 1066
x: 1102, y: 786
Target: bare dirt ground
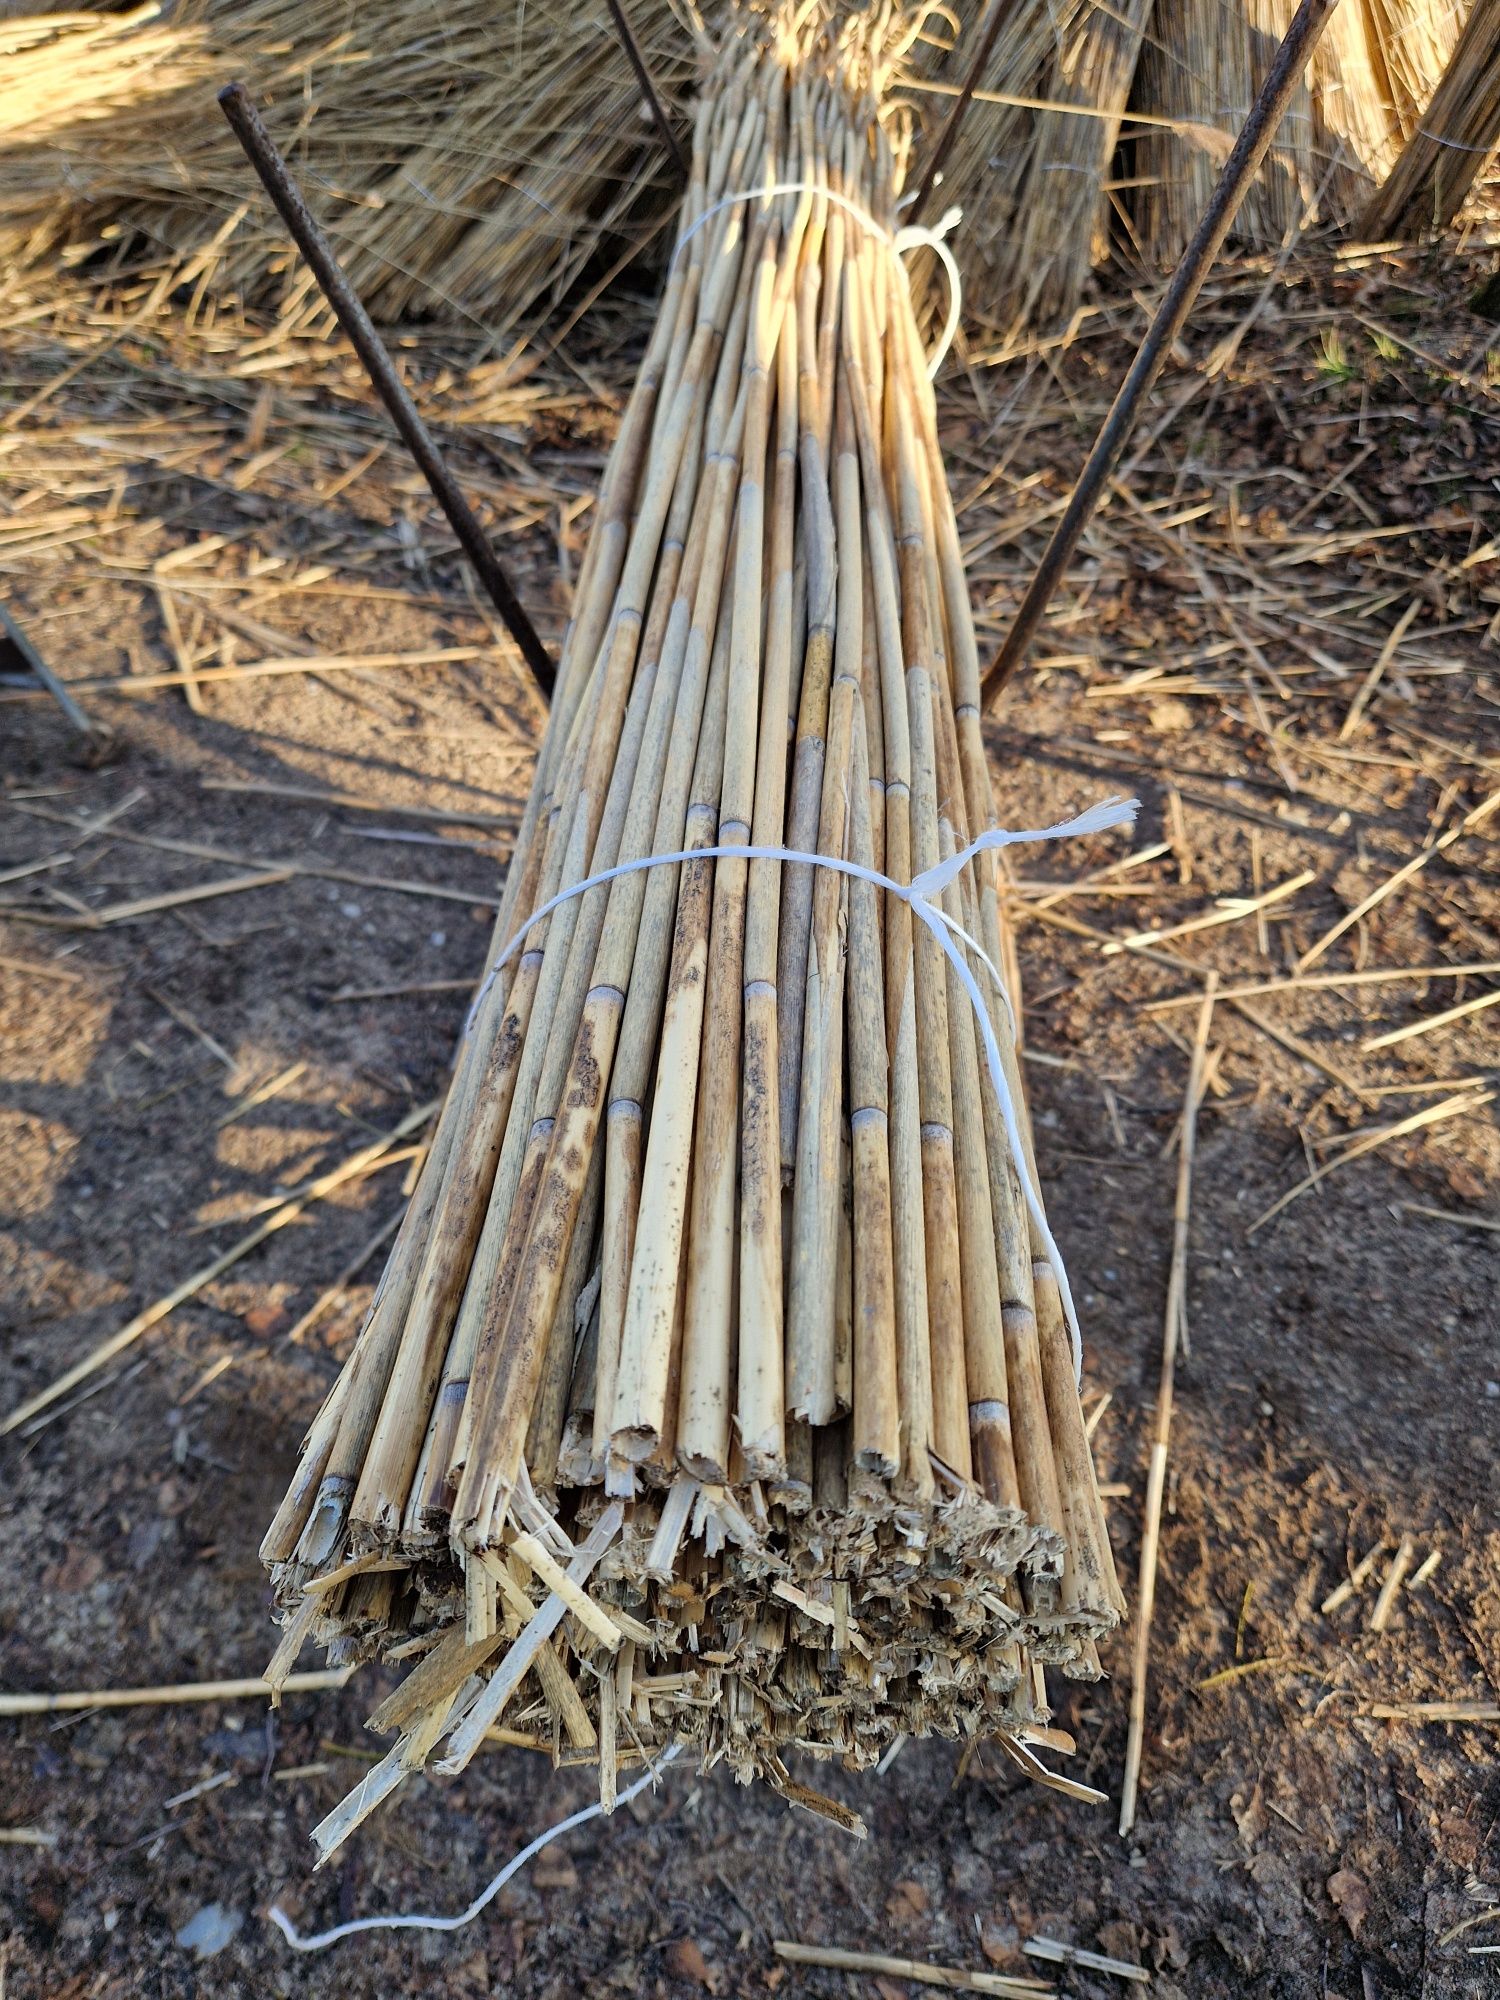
x: 187, y: 496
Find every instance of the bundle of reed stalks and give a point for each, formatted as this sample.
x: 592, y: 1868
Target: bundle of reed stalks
x: 1063, y: 228
x: 485, y: 162
x: 990, y: 166
x: 1098, y: 126
x: 1447, y: 147
x: 1366, y: 92
x: 1414, y: 41
x: 721, y: 1386
x: 468, y: 160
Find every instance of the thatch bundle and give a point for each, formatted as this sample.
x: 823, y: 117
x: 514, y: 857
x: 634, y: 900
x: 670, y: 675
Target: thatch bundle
x: 1101, y: 124
x: 1367, y: 89
x: 478, y: 161
x: 1448, y: 146
x: 720, y: 1387
x: 1064, y: 224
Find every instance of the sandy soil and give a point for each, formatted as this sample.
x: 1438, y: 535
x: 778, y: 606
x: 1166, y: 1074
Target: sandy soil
x: 1341, y: 1391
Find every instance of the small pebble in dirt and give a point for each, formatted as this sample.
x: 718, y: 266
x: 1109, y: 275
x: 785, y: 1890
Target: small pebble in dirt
x: 210, y: 1929
x: 437, y: 939
x: 1492, y: 1388
x: 350, y: 910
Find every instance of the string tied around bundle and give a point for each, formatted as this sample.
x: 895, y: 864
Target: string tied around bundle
x: 920, y: 894
x: 410, y: 1921
x: 911, y: 236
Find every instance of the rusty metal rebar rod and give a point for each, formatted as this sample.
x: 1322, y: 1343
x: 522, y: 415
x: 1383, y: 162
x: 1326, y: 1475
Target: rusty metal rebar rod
x: 99, y: 739
x: 999, y: 12
x: 1240, y: 170
x: 643, y: 77
x: 261, y: 151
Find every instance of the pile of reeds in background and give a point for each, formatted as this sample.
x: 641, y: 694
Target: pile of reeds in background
x: 721, y: 1386
x: 1105, y: 122
x: 1365, y: 96
x: 491, y: 162
x: 467, y: 160
x: 1450, y: 140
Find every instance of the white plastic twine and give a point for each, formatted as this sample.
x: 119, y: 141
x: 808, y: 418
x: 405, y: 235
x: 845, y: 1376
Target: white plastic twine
x: 913, y: 236
x: 321, y: 1940
x: 1453, y: 145
x: 920, y: 893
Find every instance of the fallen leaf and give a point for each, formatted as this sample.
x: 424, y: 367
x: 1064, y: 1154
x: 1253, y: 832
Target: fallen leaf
x: 685, y: 1960
x: 78, y: 1569
x: 1000, y: 1943
x: 1351, y: 1897
x: 1170, y: 1947
x: 1119, y: 1939
x: 907, y: 1899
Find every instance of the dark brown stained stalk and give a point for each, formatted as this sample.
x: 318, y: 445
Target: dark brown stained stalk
x: 914, y: 1356
x: 761, y: 1272
x: 426, y: 1348
x: 926, y: 679
x: 576, y: 1465
x: 638, y: 1416
x: 690, y: 638
x: 806, y: 791
x: 504, y: 1361
x: 281, y: 1537
x: 1089, y: 1580
x: 707, y: 1302
x: 579, y: 1051
x: 812, y: 1385
x: 876, y: 1432
x: 549, y: 1411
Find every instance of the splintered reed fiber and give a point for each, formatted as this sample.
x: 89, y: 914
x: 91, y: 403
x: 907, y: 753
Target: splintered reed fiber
x: 717, y: 1389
